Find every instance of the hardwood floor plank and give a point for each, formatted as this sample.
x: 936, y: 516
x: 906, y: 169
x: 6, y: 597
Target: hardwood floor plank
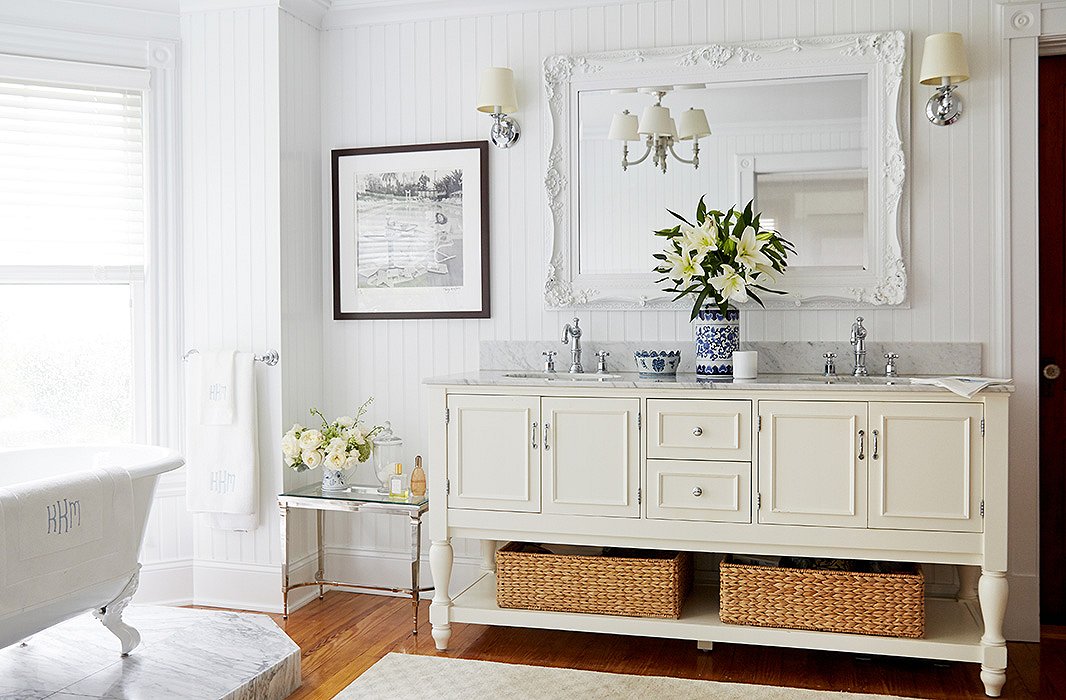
x: 347, y: 633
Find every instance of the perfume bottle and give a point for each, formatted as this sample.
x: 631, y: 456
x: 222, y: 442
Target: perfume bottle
x: 397, y: 488
x: 418, y: 479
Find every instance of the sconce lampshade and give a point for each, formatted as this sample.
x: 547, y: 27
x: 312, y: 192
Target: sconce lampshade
x: 657, y: 122
x: 944, y: 57
x: 623, y: 127
x: 497, y: 90
x: 693, y: 124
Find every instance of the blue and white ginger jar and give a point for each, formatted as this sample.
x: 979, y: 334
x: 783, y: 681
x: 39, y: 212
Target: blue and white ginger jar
x: 717, y: 338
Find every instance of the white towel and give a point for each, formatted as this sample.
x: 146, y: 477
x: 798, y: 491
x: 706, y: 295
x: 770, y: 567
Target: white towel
x: 65, y: 533
x: 223, y: 472
x: 963, y: 386
x: 217, y: 387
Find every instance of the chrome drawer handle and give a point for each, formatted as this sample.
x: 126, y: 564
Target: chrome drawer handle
x: 697, y: 431
x: 547, y: 445
x: 874, y: 455
x: 862, y: 442
x: 533, y: 435
x: 697, y: 492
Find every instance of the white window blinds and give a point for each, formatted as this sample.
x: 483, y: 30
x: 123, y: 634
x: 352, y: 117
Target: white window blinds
x: 71, y: 175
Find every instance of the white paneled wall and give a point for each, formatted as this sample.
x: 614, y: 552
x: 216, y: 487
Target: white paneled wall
x: 251, y: 184
x: 416, y: 81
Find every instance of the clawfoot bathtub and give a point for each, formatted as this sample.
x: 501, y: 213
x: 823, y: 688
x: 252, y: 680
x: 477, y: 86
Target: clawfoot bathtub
x: 107, y: 598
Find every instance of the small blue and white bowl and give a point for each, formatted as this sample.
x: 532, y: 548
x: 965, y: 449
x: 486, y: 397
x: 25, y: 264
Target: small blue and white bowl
x: 657, y: 363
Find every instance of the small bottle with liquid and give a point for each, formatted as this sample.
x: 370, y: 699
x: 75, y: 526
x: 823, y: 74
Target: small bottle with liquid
x: 418, y: 479
x: 397, y: 484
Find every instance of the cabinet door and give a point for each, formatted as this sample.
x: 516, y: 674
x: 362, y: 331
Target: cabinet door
x: 927, y: 470
x: 591, y: 456
x: 493, y: 455
x: 812, y: 463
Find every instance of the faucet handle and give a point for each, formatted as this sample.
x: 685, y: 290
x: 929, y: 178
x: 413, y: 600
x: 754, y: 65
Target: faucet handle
x: 549, y: 361
x: 890, y: 364
x: 603, y: 355
x: 830, y: 364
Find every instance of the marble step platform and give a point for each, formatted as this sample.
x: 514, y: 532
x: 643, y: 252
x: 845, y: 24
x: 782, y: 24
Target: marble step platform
x: 202, y: 654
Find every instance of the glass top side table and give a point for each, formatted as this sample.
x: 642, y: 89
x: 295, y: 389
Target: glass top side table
x: 354, y: 499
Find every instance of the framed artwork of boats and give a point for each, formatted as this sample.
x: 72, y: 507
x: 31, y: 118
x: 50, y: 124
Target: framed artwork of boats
x: 411, y: 231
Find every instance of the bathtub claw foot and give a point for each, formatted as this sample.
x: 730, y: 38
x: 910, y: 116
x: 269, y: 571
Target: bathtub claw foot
x: 111, y: 615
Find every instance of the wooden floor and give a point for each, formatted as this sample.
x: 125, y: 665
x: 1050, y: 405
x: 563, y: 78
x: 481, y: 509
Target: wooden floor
x: 346, y: 633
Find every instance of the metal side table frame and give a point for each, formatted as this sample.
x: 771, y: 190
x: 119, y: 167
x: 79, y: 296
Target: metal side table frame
x: 354, y: 499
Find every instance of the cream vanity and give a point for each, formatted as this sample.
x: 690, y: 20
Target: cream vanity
x: 782, y: 465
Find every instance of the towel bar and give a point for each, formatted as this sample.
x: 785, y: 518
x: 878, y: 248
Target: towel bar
x: 269, y: 359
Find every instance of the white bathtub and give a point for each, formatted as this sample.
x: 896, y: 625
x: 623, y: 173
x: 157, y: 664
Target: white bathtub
x: 144, y: 463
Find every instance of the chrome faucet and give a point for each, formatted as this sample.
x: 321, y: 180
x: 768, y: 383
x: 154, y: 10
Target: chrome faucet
x: 858, y: 341
x: 572, y: 335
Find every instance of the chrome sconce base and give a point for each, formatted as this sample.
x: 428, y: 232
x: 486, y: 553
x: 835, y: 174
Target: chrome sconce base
x: 944, y: 107
x: 505, y: 131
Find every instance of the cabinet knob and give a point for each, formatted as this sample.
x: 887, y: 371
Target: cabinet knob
x: 697, y: 492
x: 1052, y: 371
x: 697, y: 431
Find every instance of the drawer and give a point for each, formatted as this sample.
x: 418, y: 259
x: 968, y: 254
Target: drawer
x: 699, y: 429
x: 698, y: 490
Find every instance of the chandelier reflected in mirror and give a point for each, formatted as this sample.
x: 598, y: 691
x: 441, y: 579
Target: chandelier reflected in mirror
x: 657, y: 128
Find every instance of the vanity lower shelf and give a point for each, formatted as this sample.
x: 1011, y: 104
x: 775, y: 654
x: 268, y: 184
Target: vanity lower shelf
x: 953, y: 628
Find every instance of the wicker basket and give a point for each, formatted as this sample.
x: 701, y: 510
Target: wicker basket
x: 645, y: 584
x: 891, y: 605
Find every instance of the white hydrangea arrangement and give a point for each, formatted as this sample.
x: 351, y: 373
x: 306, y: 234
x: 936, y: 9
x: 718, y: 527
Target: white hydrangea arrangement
x: 341, y: 445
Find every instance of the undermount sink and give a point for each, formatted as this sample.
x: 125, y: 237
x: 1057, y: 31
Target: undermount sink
x: 850, y: 379
x: 560, y: 376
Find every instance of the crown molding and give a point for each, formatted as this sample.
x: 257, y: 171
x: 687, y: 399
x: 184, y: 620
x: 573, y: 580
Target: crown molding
x: 349, y: 13
x: 310, y: 11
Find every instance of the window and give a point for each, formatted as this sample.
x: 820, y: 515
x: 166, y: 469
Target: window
x: 72, y: 253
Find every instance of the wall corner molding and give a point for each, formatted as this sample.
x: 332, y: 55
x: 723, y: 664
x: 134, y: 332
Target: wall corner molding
x: 1019, y: 21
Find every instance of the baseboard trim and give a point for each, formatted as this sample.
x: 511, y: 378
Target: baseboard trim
x: 166, y: 583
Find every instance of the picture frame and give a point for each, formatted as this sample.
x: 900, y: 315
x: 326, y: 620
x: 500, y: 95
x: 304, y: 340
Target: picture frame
x: 411, y: 231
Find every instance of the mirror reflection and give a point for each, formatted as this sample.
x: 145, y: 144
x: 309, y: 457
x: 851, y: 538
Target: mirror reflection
x: 797, y: 146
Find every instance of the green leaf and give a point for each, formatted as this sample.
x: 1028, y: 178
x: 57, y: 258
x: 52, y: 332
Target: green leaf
x: 678, y: 216
x: 754, y: 296
x: 701, y: 211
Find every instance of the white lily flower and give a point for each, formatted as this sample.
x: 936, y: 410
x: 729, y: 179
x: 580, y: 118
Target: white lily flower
x: 702, y: 238
x: 682, y: 266
x: 731, y: 284
x: 749, y: 250
x: 767, y: 270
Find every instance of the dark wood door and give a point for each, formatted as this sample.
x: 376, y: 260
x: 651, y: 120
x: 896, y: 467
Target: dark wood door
x: 1052, y: 340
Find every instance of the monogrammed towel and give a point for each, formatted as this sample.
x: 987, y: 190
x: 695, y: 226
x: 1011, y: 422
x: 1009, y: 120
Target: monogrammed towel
x: 222, y: 459
x: 61, y: 534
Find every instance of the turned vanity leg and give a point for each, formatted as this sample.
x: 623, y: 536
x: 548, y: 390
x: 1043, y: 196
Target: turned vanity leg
x: 440, y: 563
x: 488, y: 555
x: 993, y: 597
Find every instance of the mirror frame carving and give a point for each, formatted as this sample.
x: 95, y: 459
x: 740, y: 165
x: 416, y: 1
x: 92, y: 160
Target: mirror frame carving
x: 880, y: 56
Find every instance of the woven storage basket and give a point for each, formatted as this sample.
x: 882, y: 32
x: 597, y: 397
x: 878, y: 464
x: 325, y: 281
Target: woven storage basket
x: 652, y: 585
x: 890, y: 605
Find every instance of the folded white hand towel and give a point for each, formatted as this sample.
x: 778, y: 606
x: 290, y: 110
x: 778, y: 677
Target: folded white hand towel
x: 65, y: 533
x: 217, y: 387
x: 963, y: 386
x: 223, y: 460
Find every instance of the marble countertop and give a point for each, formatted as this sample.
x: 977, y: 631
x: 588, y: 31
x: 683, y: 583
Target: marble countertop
x: 632, y: 380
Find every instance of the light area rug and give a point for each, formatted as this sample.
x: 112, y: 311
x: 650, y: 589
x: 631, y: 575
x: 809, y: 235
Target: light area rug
x: 410, y: 677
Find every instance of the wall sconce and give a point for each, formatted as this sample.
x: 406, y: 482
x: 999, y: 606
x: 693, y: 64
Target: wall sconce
x: 944, y: 64
x: 659, y: 131
x: 497, y: 97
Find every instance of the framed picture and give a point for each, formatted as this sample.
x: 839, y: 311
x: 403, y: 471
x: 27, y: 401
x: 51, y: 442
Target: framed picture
x: 411, y: 231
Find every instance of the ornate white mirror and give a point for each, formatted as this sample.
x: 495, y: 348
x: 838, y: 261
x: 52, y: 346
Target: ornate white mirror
x: 811, y: 129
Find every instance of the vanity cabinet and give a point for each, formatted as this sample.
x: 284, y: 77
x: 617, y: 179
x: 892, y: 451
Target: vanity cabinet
x: 841, y: 471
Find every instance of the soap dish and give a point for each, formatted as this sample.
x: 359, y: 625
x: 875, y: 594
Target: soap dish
x: 657, y: 363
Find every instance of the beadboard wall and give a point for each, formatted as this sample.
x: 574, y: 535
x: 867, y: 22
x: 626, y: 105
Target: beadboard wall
x: 396, y: 82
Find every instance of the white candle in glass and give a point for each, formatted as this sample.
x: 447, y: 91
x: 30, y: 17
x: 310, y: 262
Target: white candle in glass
x: 745, y: 364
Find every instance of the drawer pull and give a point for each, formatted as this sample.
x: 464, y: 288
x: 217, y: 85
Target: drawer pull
x: 875, y: 445
x: 533, y: 435
x: 697, y: 431
x: 862, y: 443
x: 697, y: 492
x: 547, y: 445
